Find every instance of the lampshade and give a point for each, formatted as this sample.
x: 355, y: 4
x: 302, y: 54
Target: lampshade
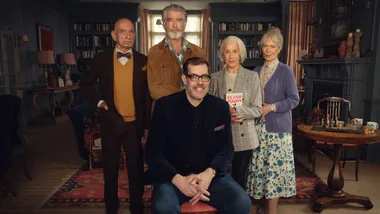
x: 67, y: 59
x: 45, y: 57
x: 25, y: 38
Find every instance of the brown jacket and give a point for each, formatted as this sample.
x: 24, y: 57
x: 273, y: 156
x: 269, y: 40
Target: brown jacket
x: 102, y: 68
x: 164, y: 74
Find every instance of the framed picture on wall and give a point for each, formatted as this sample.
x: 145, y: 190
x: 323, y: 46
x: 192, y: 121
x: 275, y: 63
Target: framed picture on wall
x: 45, y: 38
x: 338, y: 20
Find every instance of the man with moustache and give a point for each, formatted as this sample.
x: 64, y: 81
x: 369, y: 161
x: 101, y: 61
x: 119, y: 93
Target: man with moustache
x: 189, y: 148
x: 125, y: 111
x: 165, y: 59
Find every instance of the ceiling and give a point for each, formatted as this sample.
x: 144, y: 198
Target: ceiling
x: 188, y: 4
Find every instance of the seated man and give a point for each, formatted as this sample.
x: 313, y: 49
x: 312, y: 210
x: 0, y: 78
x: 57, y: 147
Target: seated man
x: 76, y: 115
x: 189, y: 148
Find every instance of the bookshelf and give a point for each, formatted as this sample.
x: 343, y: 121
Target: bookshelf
x: 249, y: 32
x: 249, y: 22
x: 90, y: 38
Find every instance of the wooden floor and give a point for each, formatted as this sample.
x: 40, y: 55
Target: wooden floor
x: 55, y: 160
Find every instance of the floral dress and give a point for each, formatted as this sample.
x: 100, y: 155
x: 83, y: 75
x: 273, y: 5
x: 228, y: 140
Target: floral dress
x: 271, y: 172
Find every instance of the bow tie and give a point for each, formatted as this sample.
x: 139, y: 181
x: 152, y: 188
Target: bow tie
x: 120, y: 54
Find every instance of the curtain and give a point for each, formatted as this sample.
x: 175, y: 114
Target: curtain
x: 143, y: 31
x: 206, y: 33
x: 299, y: 34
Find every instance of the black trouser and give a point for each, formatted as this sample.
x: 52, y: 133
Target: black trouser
x: 111, y: 159
x: 240, y: 167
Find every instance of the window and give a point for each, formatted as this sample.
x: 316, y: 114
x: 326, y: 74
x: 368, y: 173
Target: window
x: 192, y: 31
x: 9, y: 65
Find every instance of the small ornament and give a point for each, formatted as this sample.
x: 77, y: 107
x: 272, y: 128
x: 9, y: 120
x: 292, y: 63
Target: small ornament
x: 356, y: 51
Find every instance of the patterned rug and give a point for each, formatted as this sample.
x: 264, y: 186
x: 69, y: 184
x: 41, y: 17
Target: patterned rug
x: 306, y: 180
x: 85, y: 189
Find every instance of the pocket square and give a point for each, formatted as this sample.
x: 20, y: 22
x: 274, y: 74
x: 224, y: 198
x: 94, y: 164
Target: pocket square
x: 219, y: 128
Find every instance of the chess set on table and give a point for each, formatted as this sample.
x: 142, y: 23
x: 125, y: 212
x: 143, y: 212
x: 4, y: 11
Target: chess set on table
x: 354, y: 127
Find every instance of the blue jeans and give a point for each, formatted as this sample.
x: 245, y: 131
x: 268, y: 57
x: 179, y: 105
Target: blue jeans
x: 226, y: 196
x: 76, y: 115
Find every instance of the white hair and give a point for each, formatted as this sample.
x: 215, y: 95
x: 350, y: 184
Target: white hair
x: 240, y: 44
x: 274, y: 34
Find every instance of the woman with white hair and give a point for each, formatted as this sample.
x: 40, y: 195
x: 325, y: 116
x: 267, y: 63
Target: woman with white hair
x: 241, y: 88
x: 271, y: 171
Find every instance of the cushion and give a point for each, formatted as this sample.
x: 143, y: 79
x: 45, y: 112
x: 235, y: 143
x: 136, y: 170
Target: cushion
x: 199, y: 207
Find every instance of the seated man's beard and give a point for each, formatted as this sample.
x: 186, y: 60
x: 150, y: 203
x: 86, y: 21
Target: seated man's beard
x: 176, y: 35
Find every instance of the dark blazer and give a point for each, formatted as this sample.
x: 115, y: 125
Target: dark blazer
x: 170, y: 137
x: 102, y: 68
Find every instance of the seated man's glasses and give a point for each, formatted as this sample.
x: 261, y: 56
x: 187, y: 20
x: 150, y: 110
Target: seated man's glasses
x: 194, y: 77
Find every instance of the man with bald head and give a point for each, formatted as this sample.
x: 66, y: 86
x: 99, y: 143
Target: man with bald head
x: 125, y: 108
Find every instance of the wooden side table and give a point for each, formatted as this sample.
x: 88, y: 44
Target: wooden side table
x: 51, y: 92
x: 333, y: 193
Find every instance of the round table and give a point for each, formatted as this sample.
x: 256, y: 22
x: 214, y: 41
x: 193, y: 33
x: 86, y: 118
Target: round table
x: 333, y: 193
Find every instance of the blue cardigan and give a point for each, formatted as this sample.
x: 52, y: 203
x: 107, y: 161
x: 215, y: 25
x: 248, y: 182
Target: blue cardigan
x: 282, y: 91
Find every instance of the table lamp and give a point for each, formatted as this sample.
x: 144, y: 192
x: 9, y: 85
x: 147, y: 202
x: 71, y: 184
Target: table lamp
x: 67, y: 59
x: 45, y: 58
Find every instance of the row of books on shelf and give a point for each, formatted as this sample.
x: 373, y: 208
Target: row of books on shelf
x: 103, y: 27
x: 88, y: 27
x: 244, y: 26
x: 89, y: 41
x: 83, y: 41
x: 248, y: 41
x: 104, y: 41
x: 85, y: 54
x: 254, y: 53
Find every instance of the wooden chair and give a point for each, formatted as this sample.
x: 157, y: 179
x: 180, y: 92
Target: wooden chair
x: 333, y: 109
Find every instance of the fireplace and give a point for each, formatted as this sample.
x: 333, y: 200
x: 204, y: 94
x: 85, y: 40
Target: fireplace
x: 346, y: 78
x: 322, y: 90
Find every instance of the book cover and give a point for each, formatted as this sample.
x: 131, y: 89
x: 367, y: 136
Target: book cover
x: 235, y: 99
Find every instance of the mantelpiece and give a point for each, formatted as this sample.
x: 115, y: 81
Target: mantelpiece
x: 345, y: 77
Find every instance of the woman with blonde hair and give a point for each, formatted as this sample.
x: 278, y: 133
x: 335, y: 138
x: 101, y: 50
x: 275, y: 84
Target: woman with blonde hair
x: 271, y: 171
x: 235, y: 81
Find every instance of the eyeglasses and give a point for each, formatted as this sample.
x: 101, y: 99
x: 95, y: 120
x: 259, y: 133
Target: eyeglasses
x: 194, y: 77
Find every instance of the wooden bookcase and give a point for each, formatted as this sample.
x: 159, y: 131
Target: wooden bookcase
x: 249, y: 32
x: 90, y: 38
x: 91, y: 24
x: 248, y: 21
